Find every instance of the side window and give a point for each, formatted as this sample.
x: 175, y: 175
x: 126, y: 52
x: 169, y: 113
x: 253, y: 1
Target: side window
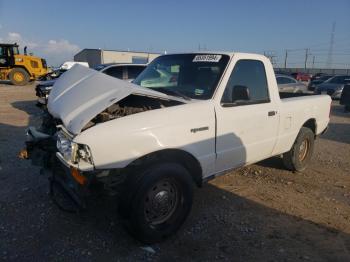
x: 293, y: 80
x: 115, y: 71
x: 281, y: 80
x: 247, y: 83
x: 288, y: 80
x: 134, y: 71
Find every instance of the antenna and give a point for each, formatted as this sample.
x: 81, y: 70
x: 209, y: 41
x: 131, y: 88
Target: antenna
x: 330, y: 51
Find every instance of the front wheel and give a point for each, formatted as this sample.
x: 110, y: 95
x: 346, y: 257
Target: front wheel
x: 157, y: 201
x: 300, y: 154
x: 19, y: 76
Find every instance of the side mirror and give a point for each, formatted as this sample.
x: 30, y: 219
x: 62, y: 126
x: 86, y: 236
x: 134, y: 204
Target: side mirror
x: 240, y: 93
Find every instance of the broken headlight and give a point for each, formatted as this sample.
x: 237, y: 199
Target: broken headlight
x: 83, y: 153
x: 72, y: 151
x: 66, y: 147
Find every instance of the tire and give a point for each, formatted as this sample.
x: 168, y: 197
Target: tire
x: 156, y: 202
x: 19, y: 77
x: 301, y: 152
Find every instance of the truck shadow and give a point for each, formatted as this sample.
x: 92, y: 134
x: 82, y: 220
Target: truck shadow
x: 339, y: 132
x: 222, y: 225
x: 338, y: 110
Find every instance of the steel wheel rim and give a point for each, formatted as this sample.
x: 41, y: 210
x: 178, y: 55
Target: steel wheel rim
x: 161, y: 202
x: 303, y: 149
x: 18, y: 77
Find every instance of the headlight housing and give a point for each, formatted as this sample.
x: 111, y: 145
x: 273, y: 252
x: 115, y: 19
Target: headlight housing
x: 72, y: 151
x: 66, y: 147
x: 84, y: 153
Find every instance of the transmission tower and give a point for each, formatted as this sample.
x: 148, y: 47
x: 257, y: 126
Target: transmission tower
x: 272, y: 56
x: 330, y: 51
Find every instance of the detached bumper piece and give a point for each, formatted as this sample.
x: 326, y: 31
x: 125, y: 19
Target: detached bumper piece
x: 40, y: 148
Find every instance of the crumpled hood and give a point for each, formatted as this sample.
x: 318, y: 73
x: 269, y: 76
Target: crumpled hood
x: 82, y: 93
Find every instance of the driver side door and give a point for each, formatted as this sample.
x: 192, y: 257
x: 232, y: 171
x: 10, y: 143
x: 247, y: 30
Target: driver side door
x: 247, y: 119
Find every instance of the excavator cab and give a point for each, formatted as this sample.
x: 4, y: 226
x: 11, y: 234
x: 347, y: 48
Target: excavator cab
x: 7, y: 52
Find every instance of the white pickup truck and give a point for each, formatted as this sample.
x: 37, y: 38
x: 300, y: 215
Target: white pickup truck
x: 153, y: 139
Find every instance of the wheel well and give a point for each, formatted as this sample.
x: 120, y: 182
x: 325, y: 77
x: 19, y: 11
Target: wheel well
x: 182, y: 157
x: 311, y: 123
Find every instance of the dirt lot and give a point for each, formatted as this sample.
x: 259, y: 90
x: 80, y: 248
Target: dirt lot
x: 258, y: 213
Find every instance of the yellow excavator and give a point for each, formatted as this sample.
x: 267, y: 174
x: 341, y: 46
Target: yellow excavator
x: 20, y: 68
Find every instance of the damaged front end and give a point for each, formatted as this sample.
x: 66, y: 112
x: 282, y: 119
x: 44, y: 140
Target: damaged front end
x: 41, y: 143
x: 83, y: 98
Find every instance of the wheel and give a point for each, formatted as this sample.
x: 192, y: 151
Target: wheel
x: 301, y: 152
x: 19, y: 77
x: 157, y: 201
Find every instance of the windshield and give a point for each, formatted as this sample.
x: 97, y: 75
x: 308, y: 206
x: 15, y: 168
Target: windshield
x: 15, y: 50
x: 186, y: 75
x: 337, y: 80
x: 99, y: 67
x: 324, y: 78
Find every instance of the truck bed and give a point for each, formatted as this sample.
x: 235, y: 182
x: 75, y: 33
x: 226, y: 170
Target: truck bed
x: 284, y: 95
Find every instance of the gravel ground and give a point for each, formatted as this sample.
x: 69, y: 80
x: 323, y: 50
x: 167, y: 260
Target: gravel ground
x: 258, y: 213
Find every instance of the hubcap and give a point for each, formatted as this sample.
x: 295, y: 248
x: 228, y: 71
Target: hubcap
x: 161, y: 202
x: 303, y: 149
x: 18, y: 77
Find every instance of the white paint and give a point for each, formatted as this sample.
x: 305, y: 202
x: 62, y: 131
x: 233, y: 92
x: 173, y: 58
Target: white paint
x: 245, y: 134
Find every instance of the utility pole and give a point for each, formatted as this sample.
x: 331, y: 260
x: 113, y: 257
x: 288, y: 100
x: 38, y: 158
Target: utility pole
x: 313, y: 62
x: 306, y: 56
x: 331, y: 44
x: 285, y: 59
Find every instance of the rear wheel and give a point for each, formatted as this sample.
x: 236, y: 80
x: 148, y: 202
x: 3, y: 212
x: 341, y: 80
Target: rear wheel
x: 19, y: 76
x: 300, y: 154
x: 157, y: 201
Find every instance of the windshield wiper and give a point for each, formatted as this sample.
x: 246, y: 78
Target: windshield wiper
x: 173, y: 92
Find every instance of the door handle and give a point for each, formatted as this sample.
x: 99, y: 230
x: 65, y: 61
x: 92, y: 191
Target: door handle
x: 272, y: 113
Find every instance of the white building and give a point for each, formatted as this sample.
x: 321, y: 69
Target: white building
x: 98, y: 56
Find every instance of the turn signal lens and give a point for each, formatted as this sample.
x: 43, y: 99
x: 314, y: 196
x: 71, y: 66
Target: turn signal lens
x: 77, y: 176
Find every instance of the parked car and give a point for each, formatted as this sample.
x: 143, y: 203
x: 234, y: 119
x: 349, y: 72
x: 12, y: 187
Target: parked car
x: 151, y: 145
x: 57, y: 72
x: 345, y: 98
x: 317, y: 81
x: 289, y: 84
x: 333, y: 86
x: 281, y: 72
x: 301, y: 76
x: 317, y: 76
x: 69, y: 64
x: 122, y: 71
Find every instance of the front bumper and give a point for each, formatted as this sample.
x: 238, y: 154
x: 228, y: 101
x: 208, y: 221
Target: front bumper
x: 67, y: 193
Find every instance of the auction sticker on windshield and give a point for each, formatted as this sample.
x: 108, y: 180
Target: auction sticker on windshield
x: 207, y: 58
